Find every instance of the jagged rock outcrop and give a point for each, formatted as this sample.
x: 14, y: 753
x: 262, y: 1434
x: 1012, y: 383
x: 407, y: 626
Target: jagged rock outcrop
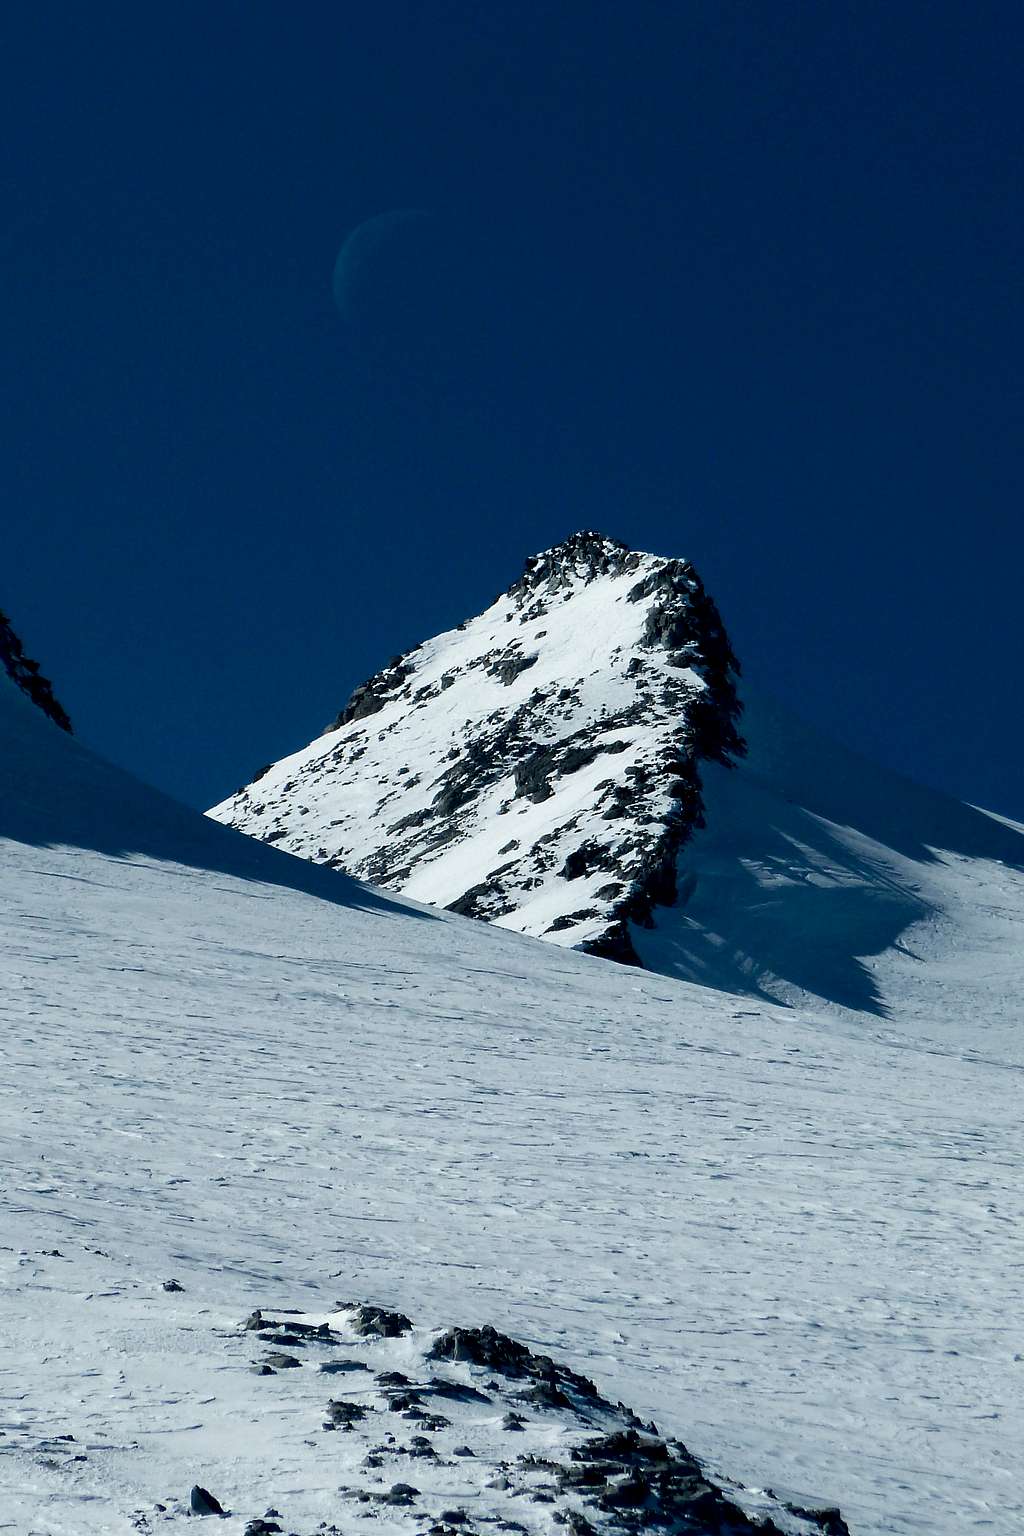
x: 538, y: 766
x: 475, y: 1432
x: 26, y: 674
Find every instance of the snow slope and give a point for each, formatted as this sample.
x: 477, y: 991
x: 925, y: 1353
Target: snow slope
x: 794, y: 1244
x: 822, y: 880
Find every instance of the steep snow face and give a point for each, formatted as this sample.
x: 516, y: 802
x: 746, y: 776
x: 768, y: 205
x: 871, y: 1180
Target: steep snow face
x: 539, y: 765
x: 793, y: 1243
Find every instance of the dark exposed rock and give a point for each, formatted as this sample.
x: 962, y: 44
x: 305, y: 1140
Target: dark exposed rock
x: 26, y: 675
x: 546, y: 1394
x: 399, y: 1494
x: 368, y: 1320
x: 262, y: 1527
x: 587, y: 553
x: 828, y: 1519
x: 533, y: 777
x: 570, y: 919
x: 614, y: 944
x: 370, y: 697
x: 483, y: 900
x: 585, y: 859
x: 455, y: 1391
x: 342, y: 1414
x: 173, y: 1285
x: 293, y: 1332
x: 340, y: 1367
x: 279, y: 1361
x: 497, y: 1352
x: 578, y: 1524
x: 202, y: 1502
x: 647, y: 1483
x: 508, y: 669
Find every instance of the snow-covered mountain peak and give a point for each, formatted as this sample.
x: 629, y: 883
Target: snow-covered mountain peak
x: 578, y: 559
x: 538, y: 765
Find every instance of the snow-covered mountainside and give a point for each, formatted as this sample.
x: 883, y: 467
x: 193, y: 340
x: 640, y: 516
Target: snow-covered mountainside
x: 539, y: 766
x: 234, y: 1081
x: 561, y: 766
x: 823, y: 880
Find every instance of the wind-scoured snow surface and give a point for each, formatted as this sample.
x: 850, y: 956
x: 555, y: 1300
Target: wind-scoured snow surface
x: 539, y: 765
x: 792, y: 1243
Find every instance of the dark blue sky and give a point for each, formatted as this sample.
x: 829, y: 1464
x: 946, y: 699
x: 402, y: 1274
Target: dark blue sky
x: 737, y: 281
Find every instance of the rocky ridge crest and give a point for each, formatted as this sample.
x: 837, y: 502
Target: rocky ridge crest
x: 26, y: 675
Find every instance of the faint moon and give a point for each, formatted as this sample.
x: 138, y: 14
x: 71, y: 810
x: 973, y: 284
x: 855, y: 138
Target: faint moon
x: 428, y: 299
x: 391, y: 272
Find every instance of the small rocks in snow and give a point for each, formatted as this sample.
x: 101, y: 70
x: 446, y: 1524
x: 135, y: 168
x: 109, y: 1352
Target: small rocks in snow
x: 618, y: 1475
x: 343, y: 1414
x: 369, y: 1320
x: 829, y: 1520
x: 173, y: 1285
x: 400, y: 1493
x: 202, y: 1502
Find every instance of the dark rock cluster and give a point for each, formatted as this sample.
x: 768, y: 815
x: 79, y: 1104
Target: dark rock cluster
x: 26, y: 674
x: 602, y: 1473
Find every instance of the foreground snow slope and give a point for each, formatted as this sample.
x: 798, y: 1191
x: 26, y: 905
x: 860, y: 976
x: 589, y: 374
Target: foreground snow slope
x: 792, y: 1242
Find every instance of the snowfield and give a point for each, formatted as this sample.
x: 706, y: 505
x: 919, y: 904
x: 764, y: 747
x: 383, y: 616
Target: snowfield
x: 792, y: 1237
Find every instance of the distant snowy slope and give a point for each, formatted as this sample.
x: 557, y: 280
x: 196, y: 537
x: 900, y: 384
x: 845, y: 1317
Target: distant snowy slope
x: 822, y: 878
x: 794, y: 1244
x: 539, y: 766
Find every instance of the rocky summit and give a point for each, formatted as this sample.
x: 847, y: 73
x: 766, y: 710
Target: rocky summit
x: 539, y: 766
